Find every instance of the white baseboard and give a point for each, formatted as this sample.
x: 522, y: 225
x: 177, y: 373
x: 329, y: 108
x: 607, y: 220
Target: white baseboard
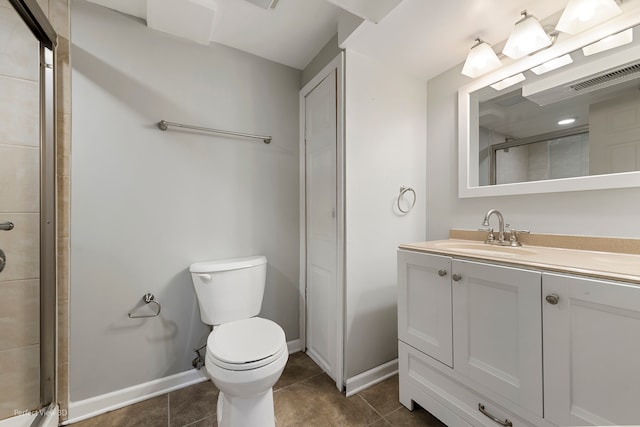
x: 97, y: 405
x: 371, y: 377
x: 294, y: 346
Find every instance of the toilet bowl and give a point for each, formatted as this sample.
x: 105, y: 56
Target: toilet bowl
x: 244, y: 360
x: 245, y: 354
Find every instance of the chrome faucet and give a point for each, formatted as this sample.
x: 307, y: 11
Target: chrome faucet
x: 502, y: 229
x: 485, y: 223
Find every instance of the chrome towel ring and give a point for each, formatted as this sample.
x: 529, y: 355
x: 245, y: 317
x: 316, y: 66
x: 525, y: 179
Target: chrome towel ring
x: 404, y: 190
x: 148, y: 298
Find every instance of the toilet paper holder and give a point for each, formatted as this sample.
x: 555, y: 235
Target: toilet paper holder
x: 148, y: 298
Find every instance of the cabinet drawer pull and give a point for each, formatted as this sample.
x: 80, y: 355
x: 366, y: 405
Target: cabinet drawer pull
x: 456, y: 277
x: 505, y: 423
x: 552, y: 299
x: 442, y: 273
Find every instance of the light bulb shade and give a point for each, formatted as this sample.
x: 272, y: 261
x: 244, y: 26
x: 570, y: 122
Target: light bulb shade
x: 616, y: 40
x: 580, y: 15
x: 527, y: 36
x: 481, y: 60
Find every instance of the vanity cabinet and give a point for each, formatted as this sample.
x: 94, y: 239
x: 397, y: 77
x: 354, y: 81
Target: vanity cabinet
x: 592, y: 351
x: 471, y: 339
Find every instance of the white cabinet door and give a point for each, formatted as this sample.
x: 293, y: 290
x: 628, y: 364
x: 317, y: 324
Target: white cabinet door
x: 497, y: 330
x: 424, y: 304
x: 592, y: 351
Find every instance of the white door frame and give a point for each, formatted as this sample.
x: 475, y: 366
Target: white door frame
x: 336, y: 65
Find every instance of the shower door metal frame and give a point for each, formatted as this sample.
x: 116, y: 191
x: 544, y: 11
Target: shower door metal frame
x: 43, y: 31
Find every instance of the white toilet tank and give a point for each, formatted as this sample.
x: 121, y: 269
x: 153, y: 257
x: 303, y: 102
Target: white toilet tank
x: 229, y: 289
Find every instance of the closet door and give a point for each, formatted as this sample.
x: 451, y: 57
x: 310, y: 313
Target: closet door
x: 322, y: 296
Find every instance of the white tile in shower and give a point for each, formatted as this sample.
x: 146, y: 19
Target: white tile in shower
x: 21, y: 246
x: 19, y: 313
x: 19, y: 180
x: 20, y: 112
x: 20, y: 51
x: 19, y: 380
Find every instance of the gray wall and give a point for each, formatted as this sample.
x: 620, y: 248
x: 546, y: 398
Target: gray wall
x: 614, y: 213
x: 146, y: 203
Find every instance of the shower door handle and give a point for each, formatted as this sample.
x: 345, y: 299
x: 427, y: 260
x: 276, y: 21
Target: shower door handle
x: 3, y: 260
x: 6, y: 226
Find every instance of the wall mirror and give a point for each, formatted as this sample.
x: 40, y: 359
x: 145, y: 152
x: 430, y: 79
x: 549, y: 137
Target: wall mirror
x: 564, y: 119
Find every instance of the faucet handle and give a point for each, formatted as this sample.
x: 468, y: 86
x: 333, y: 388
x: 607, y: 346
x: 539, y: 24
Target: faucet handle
x: 490, y: 237
x: 513, y: 238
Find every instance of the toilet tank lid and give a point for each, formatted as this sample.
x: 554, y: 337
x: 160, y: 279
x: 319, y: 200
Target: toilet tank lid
x: 227, y: 264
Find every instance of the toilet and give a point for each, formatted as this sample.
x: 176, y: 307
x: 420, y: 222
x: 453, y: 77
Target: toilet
x: 245, y: 354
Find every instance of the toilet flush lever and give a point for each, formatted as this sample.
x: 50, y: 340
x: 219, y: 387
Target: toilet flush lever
x: 204, y: 276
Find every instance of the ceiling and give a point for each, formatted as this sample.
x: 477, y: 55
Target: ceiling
x: 423, y: 37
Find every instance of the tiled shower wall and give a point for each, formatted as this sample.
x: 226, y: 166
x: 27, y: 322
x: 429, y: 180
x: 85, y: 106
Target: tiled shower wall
x: 20, y: 204
x: 25, y: 298
x: 20, y: 145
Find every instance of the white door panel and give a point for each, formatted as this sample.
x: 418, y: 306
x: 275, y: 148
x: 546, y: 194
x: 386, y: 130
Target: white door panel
x: 424, y: 304
x: 321, y: 229
x: 592, y: 343
x: 496, y: 329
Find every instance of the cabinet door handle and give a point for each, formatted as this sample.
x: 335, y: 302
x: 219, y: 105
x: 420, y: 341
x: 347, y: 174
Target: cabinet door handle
x: 552, y: 299
x: 442, y: 273
x: 456, y: 277
x: 505, y: 423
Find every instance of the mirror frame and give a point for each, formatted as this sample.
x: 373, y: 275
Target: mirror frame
x: 468, y: 156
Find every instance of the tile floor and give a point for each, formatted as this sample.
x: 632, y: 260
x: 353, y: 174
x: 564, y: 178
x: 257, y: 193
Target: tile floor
x: 303, y: 396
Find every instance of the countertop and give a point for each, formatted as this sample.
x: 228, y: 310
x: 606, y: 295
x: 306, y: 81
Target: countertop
x: 602, y: 265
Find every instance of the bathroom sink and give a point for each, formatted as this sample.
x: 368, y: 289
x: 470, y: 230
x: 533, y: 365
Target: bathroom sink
x: 483, y: 249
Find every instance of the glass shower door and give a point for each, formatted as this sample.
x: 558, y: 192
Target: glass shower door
x: 19, y: 215
x: 26, y: 166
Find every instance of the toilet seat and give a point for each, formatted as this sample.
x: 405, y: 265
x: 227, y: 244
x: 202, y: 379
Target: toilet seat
x: 246, y: 344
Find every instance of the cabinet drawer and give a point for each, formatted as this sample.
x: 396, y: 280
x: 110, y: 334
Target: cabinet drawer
x: 421, y: 382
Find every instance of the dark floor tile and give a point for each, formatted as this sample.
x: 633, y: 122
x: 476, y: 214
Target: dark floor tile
x: 207, y: 422
x: 384, y: 396
x: 192, y: 404
x: 417, y: 418
x: 299, y: 368
x: 148, y: 413
x: 317, y: 402
x: 380, y: 423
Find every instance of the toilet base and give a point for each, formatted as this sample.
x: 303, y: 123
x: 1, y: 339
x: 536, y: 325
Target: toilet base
x: 253, y: 411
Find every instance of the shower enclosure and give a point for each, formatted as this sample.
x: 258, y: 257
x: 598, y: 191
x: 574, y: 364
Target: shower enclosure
x: 27, y: 216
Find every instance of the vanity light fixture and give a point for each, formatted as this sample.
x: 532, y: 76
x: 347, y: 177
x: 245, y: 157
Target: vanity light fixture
x: 580, y: 15
x: 481, y: 60
x: 615, y: 40
x: 509, y: 81
x: 553, y: 64
x: 567, y: 121
x: 527, y: 36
